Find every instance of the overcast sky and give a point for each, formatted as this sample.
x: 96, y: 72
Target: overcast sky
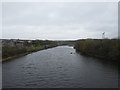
x: 59, y: 21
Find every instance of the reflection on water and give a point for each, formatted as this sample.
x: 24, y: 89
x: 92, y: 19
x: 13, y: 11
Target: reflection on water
x: 59, y: 67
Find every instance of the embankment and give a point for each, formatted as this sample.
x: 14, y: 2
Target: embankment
x: 9, y: 53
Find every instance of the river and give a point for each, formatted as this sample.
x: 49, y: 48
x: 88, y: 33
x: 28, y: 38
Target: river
x: 59, y: 68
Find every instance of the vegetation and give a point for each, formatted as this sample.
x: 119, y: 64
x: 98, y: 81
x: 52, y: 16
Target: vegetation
x: 69, y: 42
x: 31, y: 49
x: 108, y: 49
x: 11, y: 51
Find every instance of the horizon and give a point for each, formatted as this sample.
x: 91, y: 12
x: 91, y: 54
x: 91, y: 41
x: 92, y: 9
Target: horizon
x: 55, y: 40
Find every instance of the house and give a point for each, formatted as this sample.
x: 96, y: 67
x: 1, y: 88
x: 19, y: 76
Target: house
x: 19, y: 43
x: 8, y: 43
x: 12, y: 43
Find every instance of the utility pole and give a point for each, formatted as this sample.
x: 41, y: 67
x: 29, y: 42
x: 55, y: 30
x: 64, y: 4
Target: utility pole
x: 103, y: 35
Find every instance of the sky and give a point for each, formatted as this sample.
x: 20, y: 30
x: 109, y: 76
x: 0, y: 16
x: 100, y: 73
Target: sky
x: 59, y: 21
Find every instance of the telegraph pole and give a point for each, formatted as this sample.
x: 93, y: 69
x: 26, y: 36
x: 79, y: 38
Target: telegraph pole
x: 103, y: 35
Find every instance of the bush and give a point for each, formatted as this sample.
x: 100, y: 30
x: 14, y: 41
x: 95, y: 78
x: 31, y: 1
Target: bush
x: 11, y: 51
x: 105, y: 48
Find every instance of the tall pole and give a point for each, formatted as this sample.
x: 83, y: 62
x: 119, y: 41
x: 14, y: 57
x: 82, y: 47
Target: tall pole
x: 103, y: 35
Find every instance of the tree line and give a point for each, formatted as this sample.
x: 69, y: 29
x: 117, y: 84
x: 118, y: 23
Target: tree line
x: 108, y: 49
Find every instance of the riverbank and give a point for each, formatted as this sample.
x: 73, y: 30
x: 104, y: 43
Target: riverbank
x: 18, y: 52
x: 105, y: 49
x: 13, y: 57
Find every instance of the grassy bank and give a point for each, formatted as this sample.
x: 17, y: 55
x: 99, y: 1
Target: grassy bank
x: 107, y: 49
x: 14, y: 52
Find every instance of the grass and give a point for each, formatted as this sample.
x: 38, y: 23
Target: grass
x: 35, y: 48
x: 9, y: 52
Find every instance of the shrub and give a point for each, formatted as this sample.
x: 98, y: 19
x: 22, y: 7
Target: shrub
x: 105, y: 48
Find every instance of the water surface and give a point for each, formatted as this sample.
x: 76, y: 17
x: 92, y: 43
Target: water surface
x: 59, y: 68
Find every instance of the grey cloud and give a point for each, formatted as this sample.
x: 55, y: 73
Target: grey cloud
x: 56, y: 20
